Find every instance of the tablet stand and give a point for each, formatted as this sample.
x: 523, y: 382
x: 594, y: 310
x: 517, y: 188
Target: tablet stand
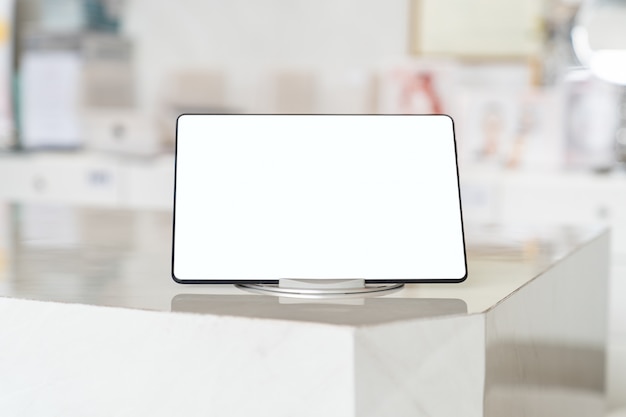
x: 322, y: 288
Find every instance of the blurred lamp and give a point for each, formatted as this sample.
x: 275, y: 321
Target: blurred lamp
x: 599, y: 38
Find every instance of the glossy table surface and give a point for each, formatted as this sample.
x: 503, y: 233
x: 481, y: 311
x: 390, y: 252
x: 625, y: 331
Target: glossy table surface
x: 121, y: 258
x: 86, y: 322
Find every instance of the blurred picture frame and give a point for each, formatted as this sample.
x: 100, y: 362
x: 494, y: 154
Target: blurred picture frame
x: 539, y: 141
x: 476, y: 28
x: 49, y: 112
x: 592, y: 118
x: 514, y: 130
x: 487, y: 125
x: 418, y: 87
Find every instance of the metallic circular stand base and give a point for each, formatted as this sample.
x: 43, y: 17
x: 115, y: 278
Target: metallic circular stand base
x: 370, y: 290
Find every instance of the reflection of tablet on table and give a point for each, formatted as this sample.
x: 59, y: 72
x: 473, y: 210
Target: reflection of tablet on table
x: 264, y: 197
x: 368, y: 311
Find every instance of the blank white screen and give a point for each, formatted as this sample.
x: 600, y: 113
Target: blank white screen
x: 264, y: 197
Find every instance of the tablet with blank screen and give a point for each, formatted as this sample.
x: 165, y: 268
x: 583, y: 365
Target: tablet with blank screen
x: 259, y: 198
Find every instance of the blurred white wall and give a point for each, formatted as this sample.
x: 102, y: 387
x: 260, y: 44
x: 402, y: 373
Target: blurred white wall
x: 248, y: 39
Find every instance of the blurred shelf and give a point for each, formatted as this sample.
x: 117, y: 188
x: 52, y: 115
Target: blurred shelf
x: 116, y: 180
x: 547, y: 198
x: 86, y: 178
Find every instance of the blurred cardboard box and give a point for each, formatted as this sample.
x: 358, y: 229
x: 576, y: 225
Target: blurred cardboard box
x: 191, y: 91
x: 107, y: 71
x: 111, y: 120
x: 294, y: 92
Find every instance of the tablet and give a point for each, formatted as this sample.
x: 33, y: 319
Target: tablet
x: 259, y: 198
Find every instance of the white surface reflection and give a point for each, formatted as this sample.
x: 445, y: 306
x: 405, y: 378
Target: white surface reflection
x: 366, y: 311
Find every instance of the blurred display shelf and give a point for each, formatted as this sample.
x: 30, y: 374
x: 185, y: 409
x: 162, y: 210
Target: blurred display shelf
x: 97, y: 179
x: 113, y: 180
x: 85, y: 178
x: 547, y: 198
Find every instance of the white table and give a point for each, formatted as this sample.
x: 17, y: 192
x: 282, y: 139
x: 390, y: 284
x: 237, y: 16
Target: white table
x: 91, y: 324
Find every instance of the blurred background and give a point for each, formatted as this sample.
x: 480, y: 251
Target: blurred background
x: 90, y: 91
x: 111, y: 76
x: 532, y: 85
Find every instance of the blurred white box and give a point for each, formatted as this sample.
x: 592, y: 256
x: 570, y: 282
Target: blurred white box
x: 61, y: 178
x: 149, y: 184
